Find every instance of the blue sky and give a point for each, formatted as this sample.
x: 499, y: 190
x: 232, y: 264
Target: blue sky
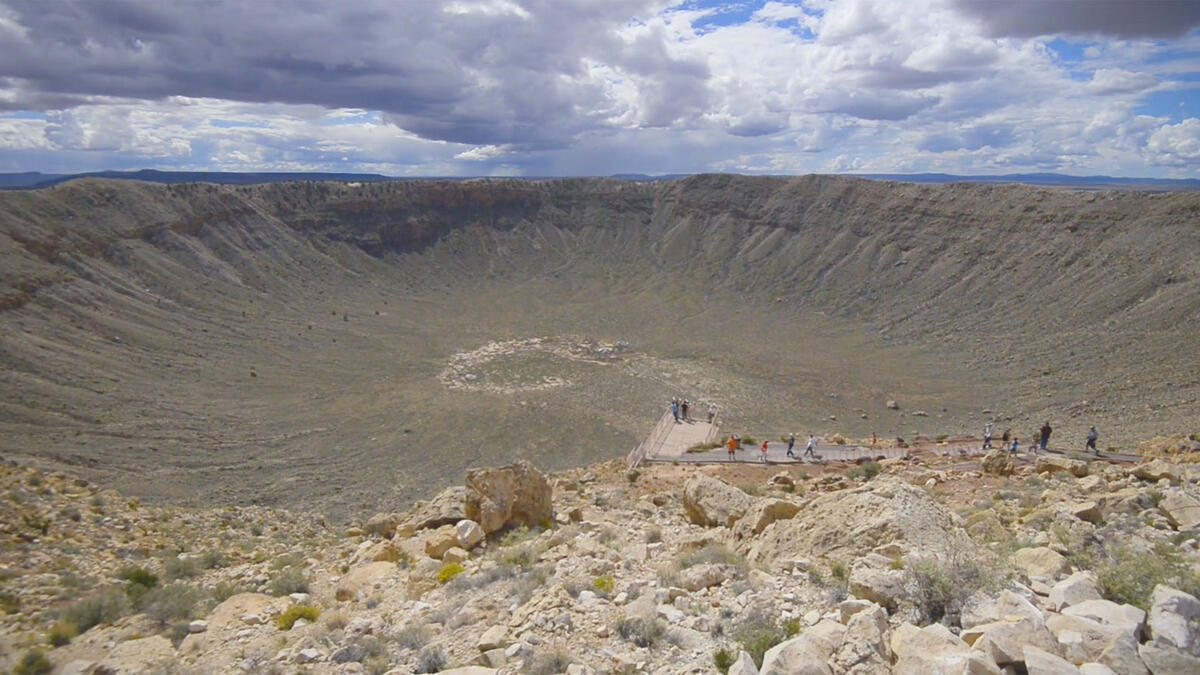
x: 576, y: 87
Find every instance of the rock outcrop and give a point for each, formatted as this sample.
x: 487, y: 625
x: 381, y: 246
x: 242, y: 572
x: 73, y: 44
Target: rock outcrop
x: 517, y: 494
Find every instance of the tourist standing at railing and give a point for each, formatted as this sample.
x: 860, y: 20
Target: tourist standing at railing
x: 712, y: 412
x: 684, y: 409
x: 675, y: 408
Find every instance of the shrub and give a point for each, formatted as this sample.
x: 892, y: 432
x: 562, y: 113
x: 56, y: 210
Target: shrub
x: 791, y: 627
x: 942, y: 438
x: 938, y: 588
x: 866, y: 470
x: 296, y: 612
x: 290, y: 580
x: 412, y: 636
x: 1127, y: 576
x: 171, y: 602
x: 212, y: 558
x: 138, y: 575
x: 837, y: 570
x: 548, y: 663
x: 62, y: 632
x: 603, y: 584
x: 104, y: 606
x: 641, y: 632
x: 448, y: 572
x: 33, y: 663
x: 431, y: 660
x: 9, y: 603
x: 653, y: 534
x: 723, y: 659
x: 757, y: 634
x: 838, y: 439
x: 180, y: 567
x: 712, y: 553
x: 225, y: 590
x: 522, y: 556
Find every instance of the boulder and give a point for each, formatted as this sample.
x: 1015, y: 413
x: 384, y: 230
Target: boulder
x: 517, y: 494
x: 382, y: 525
x: 226, y: 619
x: 1181, y: 509
x: 493, y: 638
x: 1156, y: 470
x: 807, y: 654
x: 1095, y: 669
x: 439, y: 541
x: 134, y: 657
x: 864, y: 646
x: 469, y: 533
x: 1059, y: 464
x: 447, y: 508
x: 1042, y: 662
x: 1077, y: 588
x: 360, y: 580
x: 711, y: 502
x: 1016, y: 623
x: 1175, y: 619
x: 704, y: 576
x: 1086, y: 511
x: 934, y: 649
x: 1159, y: 659
x: 1080, y: 640
x: 455, y: 554
x: 848, y: 524
x: 1040, y: 562
x: 1124, y: 618
x: 872, y: 578
x: 998, y: 463
x: 761, y: 514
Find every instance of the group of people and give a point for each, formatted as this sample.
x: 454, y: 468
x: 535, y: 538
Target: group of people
x: 1040, y: 438
x: 735, y: 443
x: 681, y: 409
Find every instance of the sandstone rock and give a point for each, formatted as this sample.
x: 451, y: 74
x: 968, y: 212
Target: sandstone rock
x: 1122, y: 656
x: 797, y: 656
x: 1057, y: 464
x: 493, y: 658
x: 986, y: 526
x: 1174, y: 620
x: 851, y: 606
x: 514, y: 494
x: 447, y: 508
x: 455, y: 554
x: 711, y: 502
x: 783, y: 478
x: 197, y: 626
x: 1086, y: 511
x: 1041, y: 662
x: 232, y: 615
x: 1181, y: 509
x: 1077, y: 588
x: 1080, y: 640
x: 78, y: 667
x: 469, y: 533
x: 470, y: 670
x: 1157, y: 470
x: 1159, y: 659
x: 1041, y: 562
x: 704, y: 576
x: 360, y: 579
x: 864, y: 646
x: 1095, y: 669
x: 307, y: 655
x: 441, y: 540
x: 934, y: 649
x: 872, y: 578
x: 1004, y: 641
x: 382, y: 525
x: 134, y: 657
x: 761, y: 514
x: 744, y: 665
x: 998, y: 463
x: 848, y: 524
x: 1125, y: 618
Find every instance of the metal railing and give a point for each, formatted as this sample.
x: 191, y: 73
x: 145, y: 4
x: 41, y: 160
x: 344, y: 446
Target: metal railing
x: 652, y: 442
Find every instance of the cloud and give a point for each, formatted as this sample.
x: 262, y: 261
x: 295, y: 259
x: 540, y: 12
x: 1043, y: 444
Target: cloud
x: 1115, y: 18
x: 1118, y: 81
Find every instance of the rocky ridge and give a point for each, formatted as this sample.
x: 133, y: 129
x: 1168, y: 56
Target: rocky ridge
x: 1064, y: 565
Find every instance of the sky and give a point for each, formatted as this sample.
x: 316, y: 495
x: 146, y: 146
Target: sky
x: 602, y: 87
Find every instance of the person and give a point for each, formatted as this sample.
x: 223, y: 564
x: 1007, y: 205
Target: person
x: 1004, y: 438
x: 712, y: 412
x: 987, y: 435
x: 810, y: 449
x: 683, y: 409
x: 732, y: 447
x: 763, y: 452
x: 791, y: 445
x: 1091, y: 441
x: 675, y: 409
x: 1016, y: 445
x: 1045, y: 434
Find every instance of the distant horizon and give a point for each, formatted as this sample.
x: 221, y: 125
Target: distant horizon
x: 510, y: 88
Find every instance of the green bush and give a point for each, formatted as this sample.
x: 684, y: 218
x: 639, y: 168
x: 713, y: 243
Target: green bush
x: 866, y: 470
x: 431, y: 660
x: 177, y: 567
x: 290, y: 580
x: 296, y: 612
x: 723, y: 659
x: 757, y: 634
x: 104, y: 606
x: 521, y: 556
x: 604, y: 584
x: 9, y: 603
x: 33, y: 663
x: 1127, y: 576
x: 448, y: 572
x: 641, y: 632
x: 62, y: 632
x: 938, y: 588
x: 138, y: 575
x: 172, y: 602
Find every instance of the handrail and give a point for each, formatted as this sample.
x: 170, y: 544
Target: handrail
x: 653, y: 441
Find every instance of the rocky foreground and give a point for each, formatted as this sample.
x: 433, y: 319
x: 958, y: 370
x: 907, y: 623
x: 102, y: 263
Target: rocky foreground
x: 917, y: 565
